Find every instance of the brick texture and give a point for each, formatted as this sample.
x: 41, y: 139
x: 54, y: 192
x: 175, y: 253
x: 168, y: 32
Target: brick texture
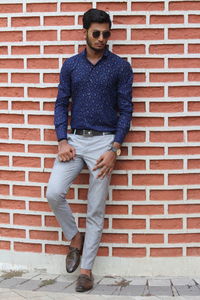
x: 153, y: 205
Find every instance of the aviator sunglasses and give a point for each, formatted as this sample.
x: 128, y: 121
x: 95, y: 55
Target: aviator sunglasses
x: 97, y: 33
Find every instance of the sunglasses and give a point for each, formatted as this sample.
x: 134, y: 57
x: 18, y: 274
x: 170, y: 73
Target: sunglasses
x: 97, y: 34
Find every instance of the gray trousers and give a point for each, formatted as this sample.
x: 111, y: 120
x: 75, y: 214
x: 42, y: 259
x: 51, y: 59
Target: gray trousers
x: 88, y: 150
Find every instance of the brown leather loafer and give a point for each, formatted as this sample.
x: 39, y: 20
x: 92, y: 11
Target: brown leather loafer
x: 84, y: 283
x: 73, y: 258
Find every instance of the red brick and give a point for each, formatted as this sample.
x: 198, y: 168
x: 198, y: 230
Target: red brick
x: 50, y: 135
x: 193, y: 163
x: 4, y: 218
x: 193, y: 19
x: 3, y: 104
x: 129, y: 252
x: 42, y: 93
x: 51, y: 78
x: 43, y: 235
x: 3, y: 78
x: 12, y: 92
x: 184, y: 238
x: 111, y: 6
x: 167, y: 19
x: 193, y: 105
x: 4, y: 161
x: 147, y: 209
x: 147, y: 63
x: 60, y: 49
x: 148, y: 121
x: 4, y: 189
x: 166, y: 136
x: 43, y: 63
x: 183, y: 33
x: 148, y: 6
x: 128, y: 224
x: 51, y: 221
x: 48, y: 106
x: 147, y: 34
x: 192, y: 48
x: 193, y: 194
x: 129, y: 195
x: 29, y: 105
x: 72, y: 35
x: 71, y: 6
x: 184, y: 121
x: 194, y: 136
x: 147, y: 150
x: 39, y: 206
x: 22, y: 161
x: 4, y: 245
x: 166, y: 77
x: 39, y: 176
x: 42, y: 149
x: 148, y: 238
x: 193, y: 223
x: 103, y: 251
x: 38, y: 119
x: 116, y: 209
x: 79, y: 208
x: 12, y: 147
x: 166, y: 195
x: 184, y: 91
x: 12, y: 175
x: 25, y: 21
x: 135, y: 137
x: 27, y: 191
x: 25, y: 50
x: 193, y: 251
x: 25, y: 78
x: 166, y: 49
x: 184, y: 209
x: 139, y: 77
x: 3, y: 22
x: 10, y: 8
x: 161, y: 224
x: 166, y: 107
x: 11, y: 63
x: 11, y: 232
x: 3, y: 50
x: 48, y: 162
x: 129, y: 49
x: 184, y: 178
x: 114, y: 238
x: 119, y: 179
x: 183, y: 150
x: 11, y: 36
x: 184, y: 63
x: 12, y: 204
x: 58, y: 20
x: 184, y: 5
x: 26, y: 134
x: 166, y: 252
x: 41, y: 35
x: 129, y: 20
x: 41, y: 7
x: 27, y: 220
x: 148, y: 92
x: 82, y: 223
x: 166, y: 164
x: 56, y: 249
x: 27, y: 247
x: 3, y: 133
x: 130, y: 165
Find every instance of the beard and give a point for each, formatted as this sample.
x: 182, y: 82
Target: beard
x: 93, y: 48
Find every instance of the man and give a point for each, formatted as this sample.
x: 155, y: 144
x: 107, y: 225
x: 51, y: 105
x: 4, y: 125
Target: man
x: 100, y: 84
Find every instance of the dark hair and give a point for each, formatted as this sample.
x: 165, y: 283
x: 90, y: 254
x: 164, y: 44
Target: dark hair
x: 94, y: 15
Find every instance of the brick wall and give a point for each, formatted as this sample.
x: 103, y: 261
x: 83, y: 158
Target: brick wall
x: 153, y: 208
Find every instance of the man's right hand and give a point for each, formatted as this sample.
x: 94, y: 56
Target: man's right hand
x: 66, y: 152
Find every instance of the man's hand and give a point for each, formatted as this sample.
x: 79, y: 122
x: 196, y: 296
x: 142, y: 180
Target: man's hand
x: 66, y: 152
x: 106, y: 162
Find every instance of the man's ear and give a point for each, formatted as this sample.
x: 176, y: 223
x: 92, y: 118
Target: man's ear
x: 84, y: 33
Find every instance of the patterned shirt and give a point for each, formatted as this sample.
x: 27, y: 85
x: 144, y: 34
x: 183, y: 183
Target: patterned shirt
x: 101, y: 95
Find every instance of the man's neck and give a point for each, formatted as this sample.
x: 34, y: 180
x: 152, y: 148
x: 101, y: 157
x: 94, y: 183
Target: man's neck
x: 92, y: 54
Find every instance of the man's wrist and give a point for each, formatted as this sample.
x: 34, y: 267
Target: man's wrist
x: 62, y: 140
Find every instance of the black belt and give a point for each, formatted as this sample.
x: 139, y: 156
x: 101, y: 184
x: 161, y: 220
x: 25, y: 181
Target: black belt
x: 90, y: 132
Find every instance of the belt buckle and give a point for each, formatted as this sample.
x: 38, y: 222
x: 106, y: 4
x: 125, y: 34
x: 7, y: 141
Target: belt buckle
x: 87, y: 133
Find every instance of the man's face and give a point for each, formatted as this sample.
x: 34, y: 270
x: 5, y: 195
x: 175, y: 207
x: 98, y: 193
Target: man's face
x: 97, y: 43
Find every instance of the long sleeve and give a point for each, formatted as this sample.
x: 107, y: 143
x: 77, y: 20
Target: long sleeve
x: 124, y: 100
x: 62, y: 101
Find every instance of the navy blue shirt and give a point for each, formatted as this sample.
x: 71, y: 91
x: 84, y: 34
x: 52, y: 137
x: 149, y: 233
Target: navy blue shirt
x: 101, y: 95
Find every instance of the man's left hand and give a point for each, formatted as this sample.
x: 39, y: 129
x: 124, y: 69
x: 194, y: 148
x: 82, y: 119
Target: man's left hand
x: 106, y: 162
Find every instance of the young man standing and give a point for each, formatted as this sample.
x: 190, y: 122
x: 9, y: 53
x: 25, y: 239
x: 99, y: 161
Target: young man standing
x: 100, y: 86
